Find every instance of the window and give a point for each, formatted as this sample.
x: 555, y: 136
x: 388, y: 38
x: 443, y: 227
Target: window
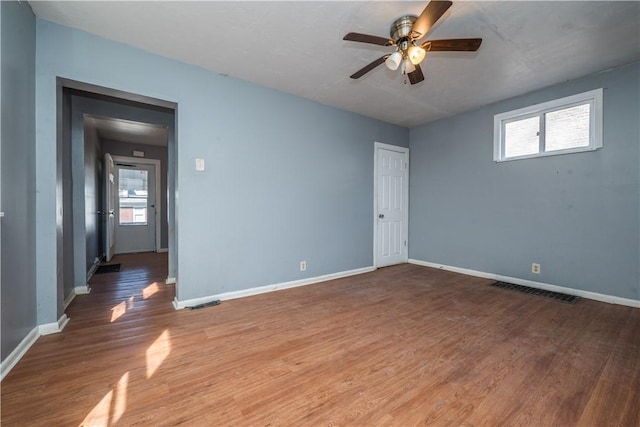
x: 567, y: 125
x: 132, y: 196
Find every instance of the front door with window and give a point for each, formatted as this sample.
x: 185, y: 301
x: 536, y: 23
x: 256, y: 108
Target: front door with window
x: 135, y: 229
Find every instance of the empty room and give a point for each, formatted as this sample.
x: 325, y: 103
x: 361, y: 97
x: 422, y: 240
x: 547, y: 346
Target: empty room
x: 320, y: 213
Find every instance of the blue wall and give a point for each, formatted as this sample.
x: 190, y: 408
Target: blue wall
x: 286, y: 179
x: 577, y: 214
x: 18, y: 281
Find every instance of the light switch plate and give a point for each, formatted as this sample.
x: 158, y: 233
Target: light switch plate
x: 199, y: 164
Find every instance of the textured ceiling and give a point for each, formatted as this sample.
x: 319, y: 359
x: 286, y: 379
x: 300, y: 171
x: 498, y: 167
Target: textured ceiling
x: 297, y: 47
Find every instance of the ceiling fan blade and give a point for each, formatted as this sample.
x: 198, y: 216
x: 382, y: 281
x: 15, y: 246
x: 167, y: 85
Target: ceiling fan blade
x: 366, y: 38
x: 434, y: 10
x: 369, y: 67
x: 451, y: 45
x: 416, y: 76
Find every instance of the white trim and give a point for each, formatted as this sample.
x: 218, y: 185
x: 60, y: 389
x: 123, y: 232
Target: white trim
x: 592, y: 97
x: 157, y: 165
x: 405, y: 151
x: 611, y: 299
x: 162, y: 250
x: 269, y: 288
x: 170, y: 281
x: 70, y: 298
x: 48, y: 328
x: 92, y: 270
x: 14, y: 357
x: 82, y: 290
x: 54, y: 327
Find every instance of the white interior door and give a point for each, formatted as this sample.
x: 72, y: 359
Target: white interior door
x: 391, y: 204
x: 135, y: 225
x: 109, y: 206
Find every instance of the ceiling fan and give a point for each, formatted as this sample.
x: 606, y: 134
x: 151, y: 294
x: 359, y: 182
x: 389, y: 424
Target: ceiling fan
x: 405, y: 33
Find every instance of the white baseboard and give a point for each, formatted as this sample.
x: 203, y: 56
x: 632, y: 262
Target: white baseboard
x: 92, y: 270
x: 162, y: 250
x: 170, y: 281
x: 46, y: 329
x: 70, y: 298
x: 539, y: 285
x: 78, y: 290
x: 14, y: 357
x: 54, y: 327
x: 82, y: 290
x: 269, y: 288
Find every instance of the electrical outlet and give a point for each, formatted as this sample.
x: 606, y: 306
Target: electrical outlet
x: 303, y: 265
x: 535, y: 268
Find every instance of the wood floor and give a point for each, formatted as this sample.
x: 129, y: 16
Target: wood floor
x: 405, y: 345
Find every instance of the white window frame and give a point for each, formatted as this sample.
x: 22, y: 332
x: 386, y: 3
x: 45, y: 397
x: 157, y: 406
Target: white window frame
x: 592, y: 97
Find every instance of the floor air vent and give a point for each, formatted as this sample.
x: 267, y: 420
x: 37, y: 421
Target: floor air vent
x: 569, y: 299
x: 108, y: 268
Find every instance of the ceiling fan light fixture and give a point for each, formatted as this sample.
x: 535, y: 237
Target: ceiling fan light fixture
x: 393, y: 61
x: 407, y: 66
x: 416, y: 54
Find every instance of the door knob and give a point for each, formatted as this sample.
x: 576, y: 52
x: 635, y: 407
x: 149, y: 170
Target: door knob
x: 380, y: 216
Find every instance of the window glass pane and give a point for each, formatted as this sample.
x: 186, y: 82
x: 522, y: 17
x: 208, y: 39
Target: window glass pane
x: 521, y: 137
x: 571, y: 124
x: 567, y: 128
x: 132, y: 192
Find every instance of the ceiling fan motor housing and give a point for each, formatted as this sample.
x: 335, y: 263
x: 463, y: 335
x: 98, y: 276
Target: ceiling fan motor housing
x: 401, y: 28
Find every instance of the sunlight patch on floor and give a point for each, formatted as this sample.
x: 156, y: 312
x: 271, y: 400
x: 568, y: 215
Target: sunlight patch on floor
x: 157, y: 352
x: 99, y: 415
x: 111, y: 408
x: 150, y: 290
x: 118, y: 311
x: 120, y: 404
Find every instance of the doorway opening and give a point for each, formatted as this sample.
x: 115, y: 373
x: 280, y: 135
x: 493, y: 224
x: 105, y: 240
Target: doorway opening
x: 137, y: 134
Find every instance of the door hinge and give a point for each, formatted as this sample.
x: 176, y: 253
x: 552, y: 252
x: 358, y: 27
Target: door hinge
x: 405, y: 243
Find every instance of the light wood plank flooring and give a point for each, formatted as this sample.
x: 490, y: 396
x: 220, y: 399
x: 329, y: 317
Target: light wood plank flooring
x: 405, y: 345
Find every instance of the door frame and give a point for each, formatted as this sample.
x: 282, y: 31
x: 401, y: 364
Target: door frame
x: 405, y: 200
x: 156, y: 164
x: 108, y: 208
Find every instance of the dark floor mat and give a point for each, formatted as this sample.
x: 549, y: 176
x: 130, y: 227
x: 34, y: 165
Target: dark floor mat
x: 570, y: 299
x: 109, y: 268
